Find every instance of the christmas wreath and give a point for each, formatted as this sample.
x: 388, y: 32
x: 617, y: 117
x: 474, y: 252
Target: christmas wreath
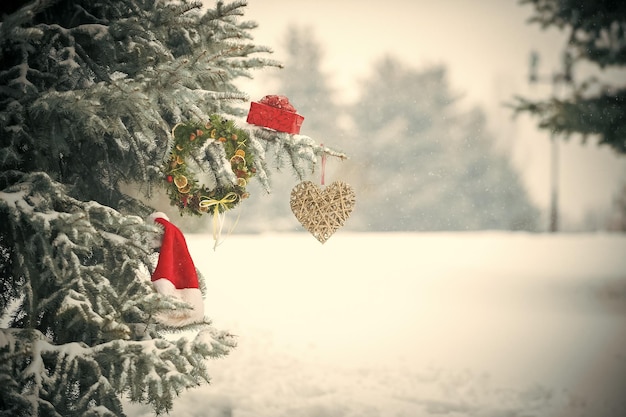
x: 190, y: 141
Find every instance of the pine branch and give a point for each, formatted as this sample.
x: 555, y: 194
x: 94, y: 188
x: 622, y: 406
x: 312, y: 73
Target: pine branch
x: 23, y: 15
x: 303, y: 149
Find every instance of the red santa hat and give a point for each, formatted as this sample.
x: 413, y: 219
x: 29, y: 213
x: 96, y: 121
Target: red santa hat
x: 175, y: 275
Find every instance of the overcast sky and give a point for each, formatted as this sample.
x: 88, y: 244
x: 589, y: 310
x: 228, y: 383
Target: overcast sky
x: 485, y: 46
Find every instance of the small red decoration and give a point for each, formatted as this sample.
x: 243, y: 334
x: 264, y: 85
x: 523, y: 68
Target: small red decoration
x: 275, y: 112
x: 175, y: 275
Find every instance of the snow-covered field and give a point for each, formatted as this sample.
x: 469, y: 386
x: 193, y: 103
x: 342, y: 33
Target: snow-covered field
x: 454, y: 324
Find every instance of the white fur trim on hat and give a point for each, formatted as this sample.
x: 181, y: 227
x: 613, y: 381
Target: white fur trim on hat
x: 192, y: 296
x: 157, y: 215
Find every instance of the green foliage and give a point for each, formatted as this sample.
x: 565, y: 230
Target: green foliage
x: 89, y: 93
x: 602, y: 115
x: 597, y: 35
x: 596, y: 27
x: 81, y: 307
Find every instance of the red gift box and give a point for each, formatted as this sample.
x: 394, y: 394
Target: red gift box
x: 276, y: 113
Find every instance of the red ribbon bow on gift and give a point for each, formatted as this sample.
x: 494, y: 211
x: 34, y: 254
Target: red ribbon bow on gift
x: 279, y: 102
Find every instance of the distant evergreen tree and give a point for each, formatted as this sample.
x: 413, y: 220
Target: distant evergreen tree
x: 304, y: 82
x: 89, y: 94
x: 597, y: 35
x: 426, y: 164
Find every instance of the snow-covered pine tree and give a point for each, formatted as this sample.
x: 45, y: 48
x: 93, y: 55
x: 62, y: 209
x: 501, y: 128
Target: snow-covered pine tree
x: 89, y: 94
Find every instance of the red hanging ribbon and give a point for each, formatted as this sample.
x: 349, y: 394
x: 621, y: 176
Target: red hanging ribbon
x: 323, y: 163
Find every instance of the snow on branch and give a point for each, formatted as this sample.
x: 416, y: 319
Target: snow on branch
x: 157, y: 367
x: 302, y: 150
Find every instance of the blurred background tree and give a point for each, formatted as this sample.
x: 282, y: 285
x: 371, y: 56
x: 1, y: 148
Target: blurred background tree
x: 597, y: 39
x: 304, y: 81
x: 594, y: 103
x: 428, y: 164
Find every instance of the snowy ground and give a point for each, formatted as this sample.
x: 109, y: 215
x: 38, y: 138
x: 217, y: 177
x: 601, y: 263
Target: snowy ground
x: 475, y: 324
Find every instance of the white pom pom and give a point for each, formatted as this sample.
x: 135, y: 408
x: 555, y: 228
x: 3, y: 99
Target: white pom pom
x: 156, y: 242
x: 157, y: 215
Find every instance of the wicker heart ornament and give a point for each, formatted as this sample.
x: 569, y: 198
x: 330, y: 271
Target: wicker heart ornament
x: 322, y: 212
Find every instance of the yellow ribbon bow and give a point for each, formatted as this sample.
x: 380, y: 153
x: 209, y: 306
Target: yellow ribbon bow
x: 218, y: 220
